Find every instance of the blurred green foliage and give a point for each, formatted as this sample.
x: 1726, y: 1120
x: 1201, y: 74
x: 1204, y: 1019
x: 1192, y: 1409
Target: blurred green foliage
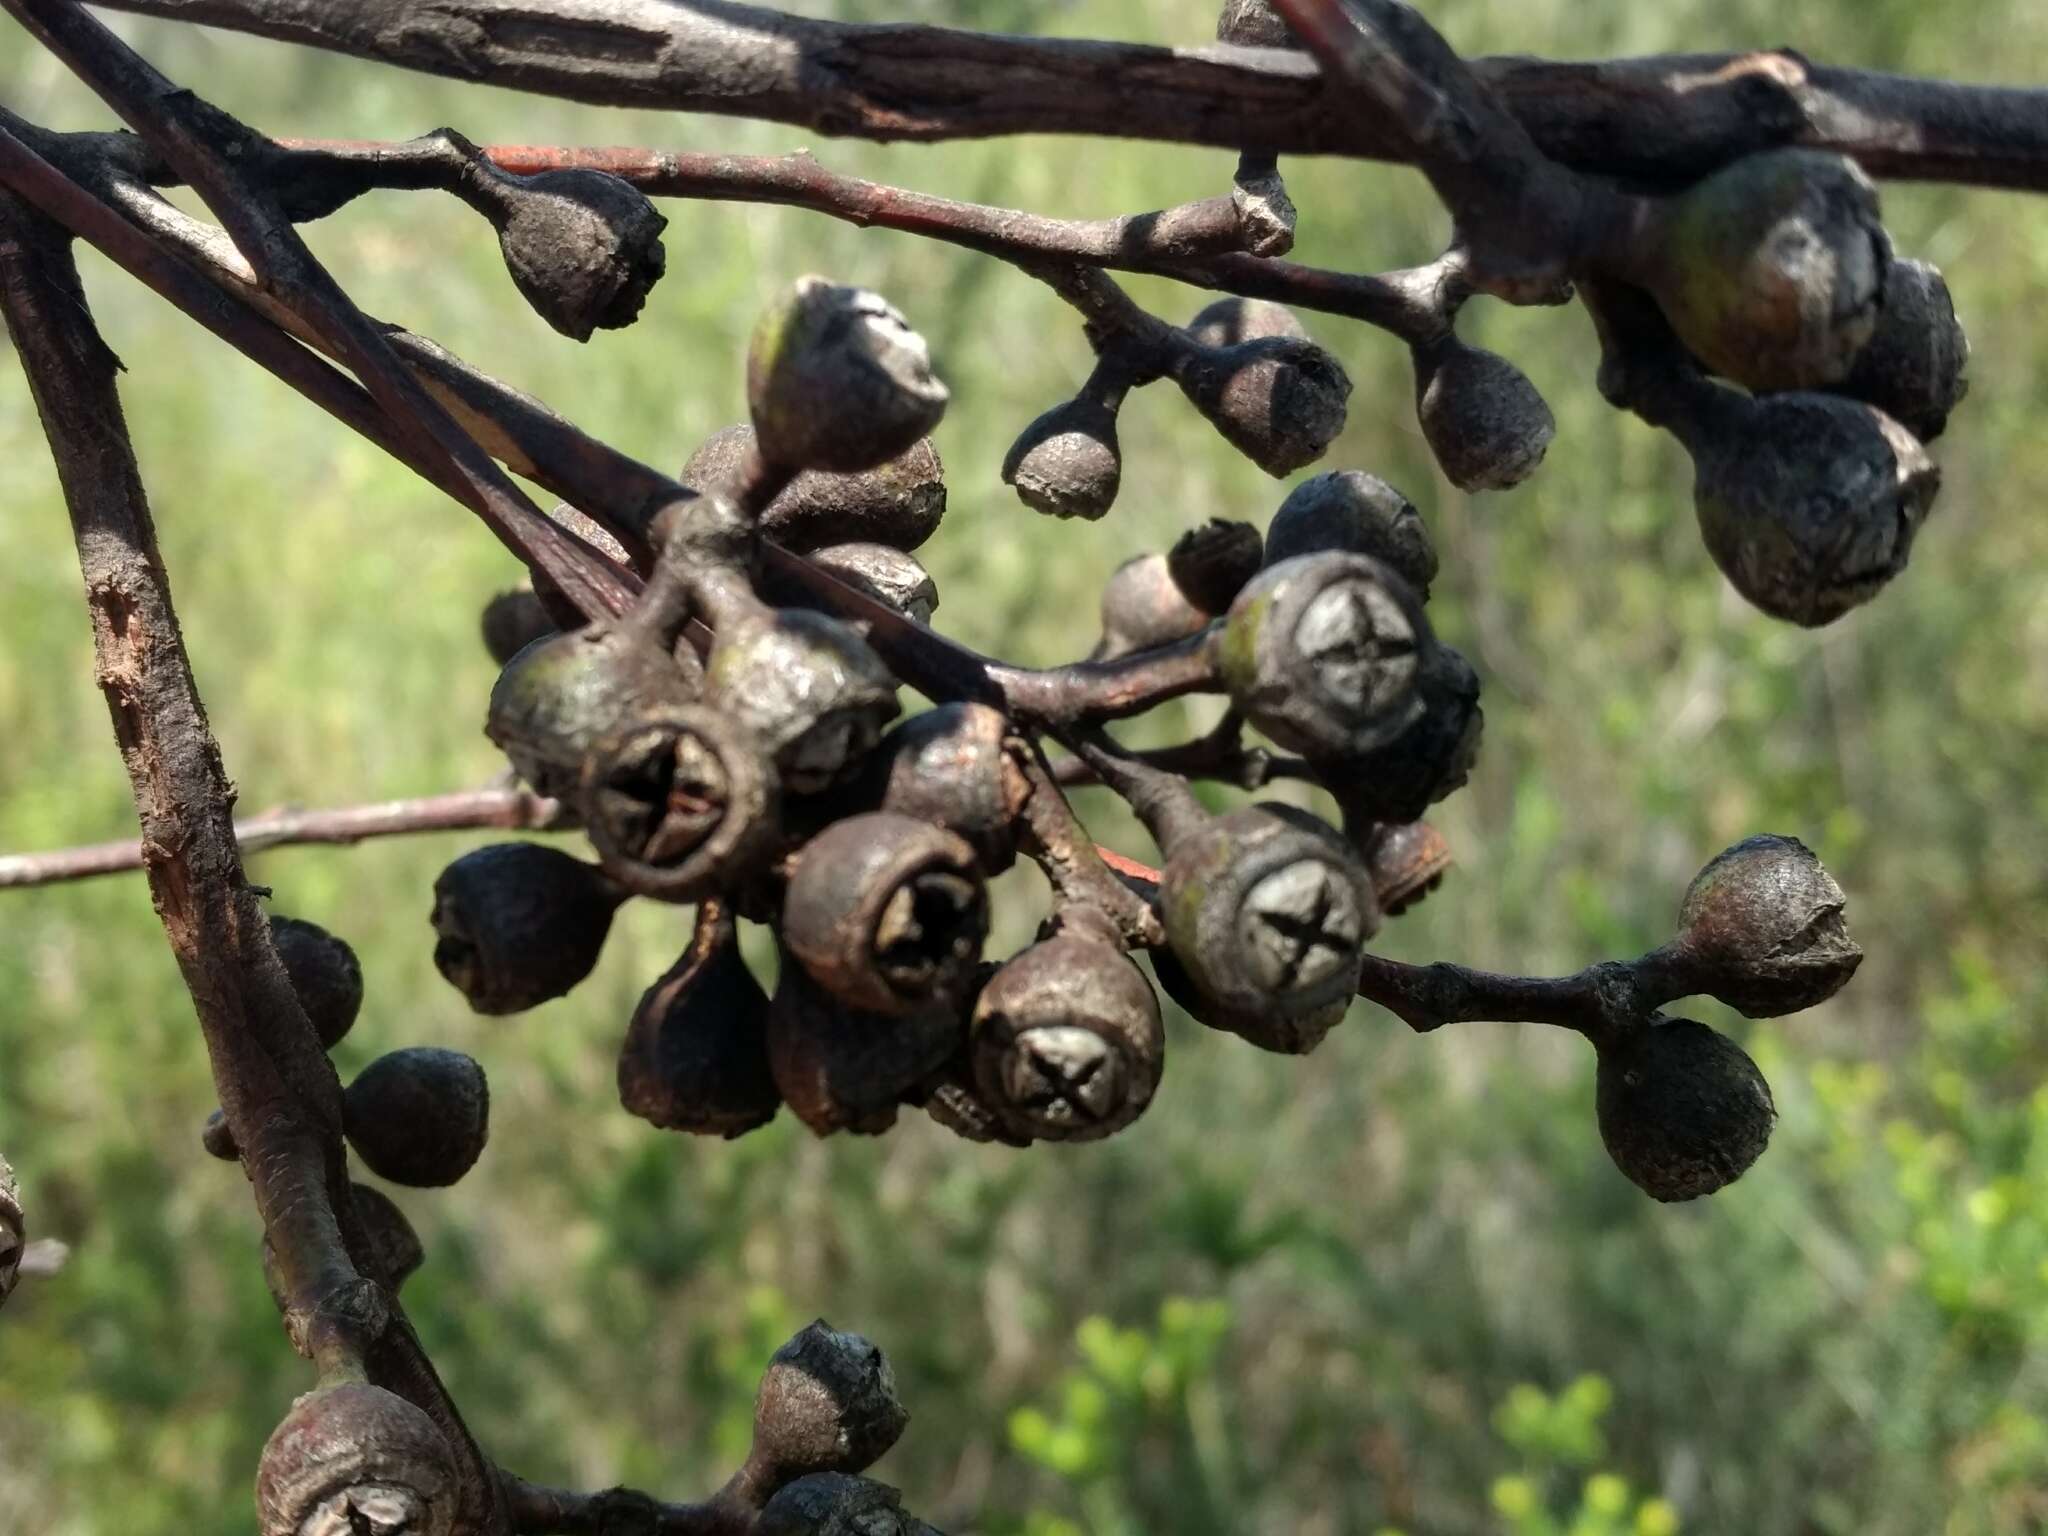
x: 1311, y: 1288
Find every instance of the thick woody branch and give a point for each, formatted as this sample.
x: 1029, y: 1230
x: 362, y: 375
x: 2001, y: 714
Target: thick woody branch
x: 277, y: 1088
x: 512, y: 810
x: 1657, y: 119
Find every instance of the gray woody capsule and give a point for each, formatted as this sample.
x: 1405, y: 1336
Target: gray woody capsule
x: 1322, y: 653
x: 827, y: 1403
x: 840, y: 1069
x: 564, y: 691
x: 517, y: 924
x: 1762, y: 929
x: 887, y: 913
x: 1808, y: 503
x: 419, y: 1116
x: 695, y: 1057
x: 1066, y: 1040
x: 678, y: 802
x: 353, y: 1457
x: 899, y: 502
x: 951, y: 766
x: 1352, y: 512
x: 1772, y: 269
x: 583, y: 247
x: 805, y: 686
x: 1683, y: 1110
x: 1482, y: 417
x: 1278, y: 401
x: 1267, y: 911
x: 837, y: 380
x: 1912, y: 367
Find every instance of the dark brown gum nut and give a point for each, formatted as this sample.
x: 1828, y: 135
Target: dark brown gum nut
x: 512, y: 621
x: 1211, y: 563
x: 1279, y: 401
x: 899, y: 502
x: 1323, y: 653
x: 1067, y: 462
x: 951, y: 767
x: 13, y: 1231
x: 394, y: 1250
x: 1229, y: 321
x: 1431, y: 759
x: 807, y: 688
x: 837, y: 379
x: 834, y: 1504
x: 559, y: 695
x: 695, y: 1057
x: 517, y: 924
x: 1066, y: 1040
x: 1406, y: 860
x: 840, y: 1069
x: 584, y: 248
x: 1268, y: 912
x: 891, y: 577
x: 678, y: 802
x: 218, y: 1138
x: 1484, y: 420
x: 1810, y: 503
x: 1683, y: 1110
x: 1762, y: 929
x: 1772, y: 269
x: 1912, y: 368
x: 827, y: 1403
x: 356, y: 1458
x: 419, y: 1116
x: 886, y: 912
x: 324, y: 974
x: 1143, y: 606
x: 1351, y: 512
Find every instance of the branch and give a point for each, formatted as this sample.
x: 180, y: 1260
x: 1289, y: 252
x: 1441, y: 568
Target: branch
x: 1598, y: 1002
x: 277, y: 1088
x: 203, y: 143
x: 1198, y: 243
x: 516, y: 810
x: 1661, y: 119
x: 615, y: 489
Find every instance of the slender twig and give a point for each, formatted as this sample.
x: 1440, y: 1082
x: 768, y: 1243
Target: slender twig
x: 1598, y: 1002
x: 1199, y: 243
x: 617, y: 490
x: 203, y: 144
x: 278, y: 1090
x: 1220, y: 755
x: 1662, y: 119
x: 514, y: 810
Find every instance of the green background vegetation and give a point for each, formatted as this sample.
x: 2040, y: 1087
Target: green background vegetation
x: 1398, y: 1287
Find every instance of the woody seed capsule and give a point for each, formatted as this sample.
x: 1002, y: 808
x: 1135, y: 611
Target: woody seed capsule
x: 1683, y: 1110
x: 1762, y: 929
x: 419, y: 1116
x: 899, y: 502
x: 355, y: 1458
x: 520, y: 923
x: 695, y: 1057
x: 837, y: 380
